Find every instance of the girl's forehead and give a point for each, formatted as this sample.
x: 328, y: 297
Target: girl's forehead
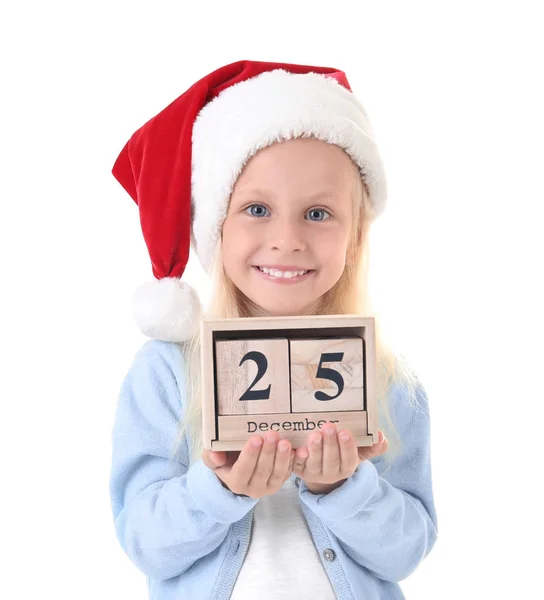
x: 311, y: 165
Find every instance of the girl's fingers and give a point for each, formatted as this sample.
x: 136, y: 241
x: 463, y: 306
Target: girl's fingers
x: 291, y: 462
x: 289, y: 469
x: 314, y: 462
x: 281, y: 463
x: 348, y: 451
x: 265, y: 464
x: 215, y: 460
x: 247, y: 461
x: 299, y: 464
x: 219, y: 459
x: 207, y: 460
x: 366, y: 452
x: 331, y: 451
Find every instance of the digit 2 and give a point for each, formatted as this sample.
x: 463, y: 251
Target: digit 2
x: 262, y: 365
x: 324, y: 373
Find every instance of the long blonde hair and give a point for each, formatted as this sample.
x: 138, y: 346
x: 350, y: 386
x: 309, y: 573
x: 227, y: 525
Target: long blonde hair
x: 348, y: 296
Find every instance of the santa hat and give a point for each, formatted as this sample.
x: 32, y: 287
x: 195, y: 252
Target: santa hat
x: 181, y: 166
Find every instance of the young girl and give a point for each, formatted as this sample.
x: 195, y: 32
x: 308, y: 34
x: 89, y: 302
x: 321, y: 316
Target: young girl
x: 271, y: 173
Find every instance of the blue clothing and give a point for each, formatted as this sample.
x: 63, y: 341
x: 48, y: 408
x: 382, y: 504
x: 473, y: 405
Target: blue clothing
x: 190, y: 535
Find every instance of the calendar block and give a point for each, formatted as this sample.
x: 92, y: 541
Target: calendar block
x: 327, y: 374
x: 252, y: 376
x: 287, y: 374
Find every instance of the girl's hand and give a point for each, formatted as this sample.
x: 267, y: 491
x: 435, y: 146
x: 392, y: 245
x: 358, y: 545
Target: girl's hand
x: 260, y: 469
x: 327, y: 463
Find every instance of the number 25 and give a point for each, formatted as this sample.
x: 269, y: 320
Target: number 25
x: 322, y: 373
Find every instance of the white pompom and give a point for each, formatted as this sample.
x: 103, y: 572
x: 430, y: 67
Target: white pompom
x: 166, y: 309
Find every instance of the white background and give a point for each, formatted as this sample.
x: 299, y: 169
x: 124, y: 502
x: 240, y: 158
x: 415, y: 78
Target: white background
x: 455, y: 93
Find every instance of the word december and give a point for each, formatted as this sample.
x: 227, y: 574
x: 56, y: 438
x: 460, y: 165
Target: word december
x: 287, y: 425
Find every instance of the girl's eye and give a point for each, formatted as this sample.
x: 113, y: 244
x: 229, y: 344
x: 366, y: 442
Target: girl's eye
x: 318, y: 214
x: 257, y: 210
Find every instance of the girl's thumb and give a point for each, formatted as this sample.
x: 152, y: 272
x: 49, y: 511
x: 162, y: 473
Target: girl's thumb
x: 218, y: 458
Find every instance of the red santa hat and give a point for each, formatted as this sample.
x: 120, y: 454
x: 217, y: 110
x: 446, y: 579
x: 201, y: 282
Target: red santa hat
x: 181, y: 166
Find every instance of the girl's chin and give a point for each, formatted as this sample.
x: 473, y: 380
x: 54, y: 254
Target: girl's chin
x: 274, y: 310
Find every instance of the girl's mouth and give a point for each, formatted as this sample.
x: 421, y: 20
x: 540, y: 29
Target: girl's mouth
x: 284, y: 276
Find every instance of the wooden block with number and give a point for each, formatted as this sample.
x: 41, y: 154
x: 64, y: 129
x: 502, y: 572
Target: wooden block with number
x: 327, y: 374
x: 252, y: 376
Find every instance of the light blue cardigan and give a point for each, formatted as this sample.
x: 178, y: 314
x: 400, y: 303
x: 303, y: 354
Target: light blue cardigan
x: 190, y: 535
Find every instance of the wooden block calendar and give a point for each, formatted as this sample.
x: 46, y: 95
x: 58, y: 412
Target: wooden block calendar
x: 290, y: 375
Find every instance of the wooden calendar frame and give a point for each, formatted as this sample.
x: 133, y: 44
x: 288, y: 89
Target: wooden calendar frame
x: 305, y: 327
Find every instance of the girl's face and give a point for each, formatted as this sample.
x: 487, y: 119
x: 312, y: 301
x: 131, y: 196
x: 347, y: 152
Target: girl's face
x: 288, y: 225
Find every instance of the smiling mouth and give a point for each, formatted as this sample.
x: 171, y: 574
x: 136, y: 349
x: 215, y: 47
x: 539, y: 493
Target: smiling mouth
x: 277, y: 274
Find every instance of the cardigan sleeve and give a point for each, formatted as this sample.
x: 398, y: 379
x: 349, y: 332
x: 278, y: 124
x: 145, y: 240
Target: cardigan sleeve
x: 167, y: 515
x: 385, y: 518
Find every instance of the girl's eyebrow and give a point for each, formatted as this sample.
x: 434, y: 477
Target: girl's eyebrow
x: 270, y: 194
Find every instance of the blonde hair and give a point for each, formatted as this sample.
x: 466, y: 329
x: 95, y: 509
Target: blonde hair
x: 348, y: 296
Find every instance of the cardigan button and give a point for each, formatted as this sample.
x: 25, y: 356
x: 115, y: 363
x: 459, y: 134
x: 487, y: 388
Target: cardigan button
x: 297, y: 481
x: 329, y: 554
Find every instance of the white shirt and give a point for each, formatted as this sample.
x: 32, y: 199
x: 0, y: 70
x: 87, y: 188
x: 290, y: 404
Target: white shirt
x: 282, y: 560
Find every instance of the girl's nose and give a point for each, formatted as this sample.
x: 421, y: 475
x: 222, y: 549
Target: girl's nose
x: 287, y: 235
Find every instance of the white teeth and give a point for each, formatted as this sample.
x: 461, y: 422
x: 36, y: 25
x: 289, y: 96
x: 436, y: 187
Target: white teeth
x: 285, y: 274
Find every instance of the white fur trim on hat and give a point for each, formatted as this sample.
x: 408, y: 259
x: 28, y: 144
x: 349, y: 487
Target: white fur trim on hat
x: 253, y: 114
x: 166, y: 309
